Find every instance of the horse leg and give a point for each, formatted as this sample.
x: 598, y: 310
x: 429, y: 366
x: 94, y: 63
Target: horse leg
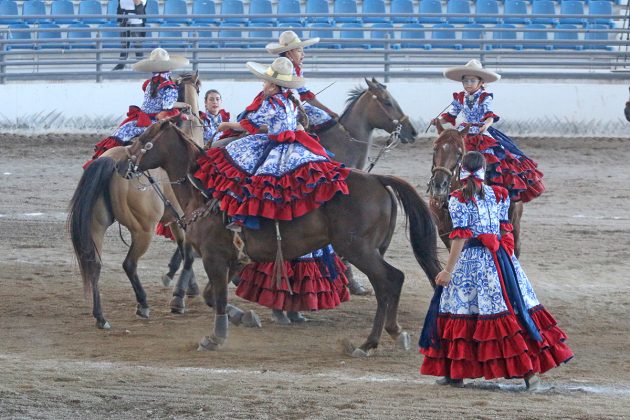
x: 139, y: 244
x: 94, y: 273
x: 173, y: 266
x: 515, y: 213
x: 177, y: 303
x: 218, y: 272
x: 396, y: 279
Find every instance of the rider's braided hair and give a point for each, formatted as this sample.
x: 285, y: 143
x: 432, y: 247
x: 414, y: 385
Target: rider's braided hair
x: 472, y: 161
x: 302, y: 117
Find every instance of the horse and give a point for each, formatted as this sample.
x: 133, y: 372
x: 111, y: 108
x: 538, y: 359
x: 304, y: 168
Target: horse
x: 626, y: 110
x: 448, y: 151
x: 102, y: 198
x: 358, y: 225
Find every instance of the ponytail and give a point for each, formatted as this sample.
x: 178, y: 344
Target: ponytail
x: 302, y: 117
x: 472, y: 175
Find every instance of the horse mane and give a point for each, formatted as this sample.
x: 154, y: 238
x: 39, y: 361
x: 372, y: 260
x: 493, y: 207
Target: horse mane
x: 449, y: 135
x: 352, y: 99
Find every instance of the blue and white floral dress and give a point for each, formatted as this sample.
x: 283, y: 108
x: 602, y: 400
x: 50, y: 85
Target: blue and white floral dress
x: 490, y: 322
x: 282, y: 174
x: 211, y: 125
x: 506, y: 164
x: 318, y: 119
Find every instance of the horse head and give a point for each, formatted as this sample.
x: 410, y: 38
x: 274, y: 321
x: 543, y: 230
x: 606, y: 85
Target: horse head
x: 627, y: 110
x: 385, y: 113
x: 448, y: 150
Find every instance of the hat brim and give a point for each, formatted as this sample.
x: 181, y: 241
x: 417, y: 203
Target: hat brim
x: 259, y: 70
x: 456, y: 74
x: 276, y: 48
x: 154, y: 66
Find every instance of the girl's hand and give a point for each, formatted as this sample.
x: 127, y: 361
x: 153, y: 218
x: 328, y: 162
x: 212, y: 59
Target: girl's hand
x: 223, y: 126
x: 434, y: 121
x: 443, y: 278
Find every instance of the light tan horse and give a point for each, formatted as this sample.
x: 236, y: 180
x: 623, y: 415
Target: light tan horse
x: 103, y: 197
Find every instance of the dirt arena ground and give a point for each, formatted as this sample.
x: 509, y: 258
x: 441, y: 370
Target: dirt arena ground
x: 55, y: 364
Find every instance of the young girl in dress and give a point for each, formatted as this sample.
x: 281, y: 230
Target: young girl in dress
x: 485, y: 319
x: 507, y: 165
x: 213, y: 116
x: 160, y: 100
x: 281, y: 174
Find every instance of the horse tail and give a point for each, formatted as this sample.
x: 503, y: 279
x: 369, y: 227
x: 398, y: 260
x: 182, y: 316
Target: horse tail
x: 419, y: 220
x: 93, y: 185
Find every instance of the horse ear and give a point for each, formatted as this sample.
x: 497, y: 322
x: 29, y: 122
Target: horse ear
x: 438, y: 126
x: 465, y: 130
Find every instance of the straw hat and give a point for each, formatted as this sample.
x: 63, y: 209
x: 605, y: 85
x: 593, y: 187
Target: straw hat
x: 472, y: 68
x: 280, y: 72
x: 289, y: 41
x: 160, y: 61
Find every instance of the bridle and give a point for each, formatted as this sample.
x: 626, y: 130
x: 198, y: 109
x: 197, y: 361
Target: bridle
x: 396, y: 123
x: 450, y: 172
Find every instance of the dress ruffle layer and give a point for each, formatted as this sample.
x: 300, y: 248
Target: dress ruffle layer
x: 275, y: 197
x: 162, y: 230
x: 103, y: 146
x: 312, y: 291
x: 495, y: 347
x: 520, y: 175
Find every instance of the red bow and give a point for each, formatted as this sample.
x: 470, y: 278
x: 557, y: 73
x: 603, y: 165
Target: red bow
x: 301, y: 137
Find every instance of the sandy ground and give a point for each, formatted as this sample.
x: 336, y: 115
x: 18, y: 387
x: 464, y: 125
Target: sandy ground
x: 54, y: 363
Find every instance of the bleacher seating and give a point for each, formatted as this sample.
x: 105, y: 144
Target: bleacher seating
x: 472, y: 35
x: 569, y: 33
x: 203, y: 7
x: 503, y: 39
x: 430, y: 6
x: 537, y: 35
x: 324, y: 31
x: 515, y: 7
x: 412, y: 37
x: 376, y: 7
x: 487, y: 7
x: 233, y: 7
x: 34, y: 8
x: 261, y: 7
x: 176, y: 7
x: 21, y: 35
x: 383, y: 35
x: 442, y: 34
x: 60, y: 8
x: 48, y: 35
x: 318, y: 6
x: 291, y: 7
x: 9, y: 13
x: 458, y: 7
x: 346, y: 6
x: 544, y: 7
x: 572, y: 7
x: 346, y: 32
x: 110, y: 37
x: 81, y: 39
x: 89, y: 7
x: 600, y: 7
x: 402, y: 6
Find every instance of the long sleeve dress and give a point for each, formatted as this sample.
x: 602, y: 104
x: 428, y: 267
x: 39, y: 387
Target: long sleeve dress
x: 319, y: 119
x: 507, y: 165
x: 489, y: 321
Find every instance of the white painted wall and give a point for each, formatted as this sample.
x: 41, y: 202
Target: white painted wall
x: 421, y: 98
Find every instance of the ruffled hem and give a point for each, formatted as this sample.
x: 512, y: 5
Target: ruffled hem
x: 495, y: 347
x: 162, y: 230
x: 463, y: 233
x: 312, y: 290
x: 520, y: 176
x: 103, y: 146
x: 284, y: 197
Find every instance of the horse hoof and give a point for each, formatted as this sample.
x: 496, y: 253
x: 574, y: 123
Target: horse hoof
x: 103, y: 325
x: 251, y: 320
x: 296, y: 317
x: 404, y: 341
x: 142, y: 312
x: 359, y: 353
x: 280, y: 318
x: 210, y: 343
x: 177, y: 305
x: 166, y: 280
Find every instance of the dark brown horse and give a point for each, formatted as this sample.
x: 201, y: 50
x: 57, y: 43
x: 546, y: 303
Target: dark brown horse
x: 448, y: 150
x: 358, y: 226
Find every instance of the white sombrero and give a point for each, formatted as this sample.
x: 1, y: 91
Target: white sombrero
x: 289, y: 41
x: 472, y: 68
x: 160, y: 61
x: 280, y: 72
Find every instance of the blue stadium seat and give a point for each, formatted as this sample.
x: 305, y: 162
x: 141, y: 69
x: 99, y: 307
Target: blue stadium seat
x: 458, y: 6
x: 377, y: 7
x: 571, y: 7
x: 22, y: 36
x: 9, y: 13
x: 207, y: 39
x: 570, y: 34
x: 151, y: 8
x: 50, y: 35
x: 223, y: 34
x: 430, y: 6
x: 600, y: 8
x: 402, y: 6
x: 324, y: 31
x: 487, y: 7
x: 499, y: 36
x: 355, y: 35
x: 346, y: 6
x: 515, y: 7
x: 318, y: 6
x: 291, y: 27
x: 233, y: 7
x: 261, y: 7
x: 536, y: 36
x: 383, y: 35
x: 544, y: 7
x: 204, y: 7
x: 266, y: 35
x: 596, y: 36
x: 85, y: 36
x: 472, y: 35
x: 90, y: 7
x: 411, y: 37
x: 165, y: 43
x: 446, y: 32
x: 110, y: 38
x: 176, y: 7
x: 112, y: 9
x: 291, y: 7
x: 62, y: 7
x: 33, y: 8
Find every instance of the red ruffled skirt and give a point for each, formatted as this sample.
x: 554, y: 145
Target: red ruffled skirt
x: 312, y: 290
x: 495, y: 347
x: 519, y: 175
x: 275, y: 197
x: 103, y: 146
x: 162, y: 230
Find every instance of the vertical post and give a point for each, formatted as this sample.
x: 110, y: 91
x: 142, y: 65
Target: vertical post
x: 386, y: 57
x: 195, y: 63
x: 99, y: 56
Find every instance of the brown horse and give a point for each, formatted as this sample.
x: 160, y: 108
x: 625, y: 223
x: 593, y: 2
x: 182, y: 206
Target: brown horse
x: 448, y: 150
x: 358, y: 226
x: 102, y: 198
